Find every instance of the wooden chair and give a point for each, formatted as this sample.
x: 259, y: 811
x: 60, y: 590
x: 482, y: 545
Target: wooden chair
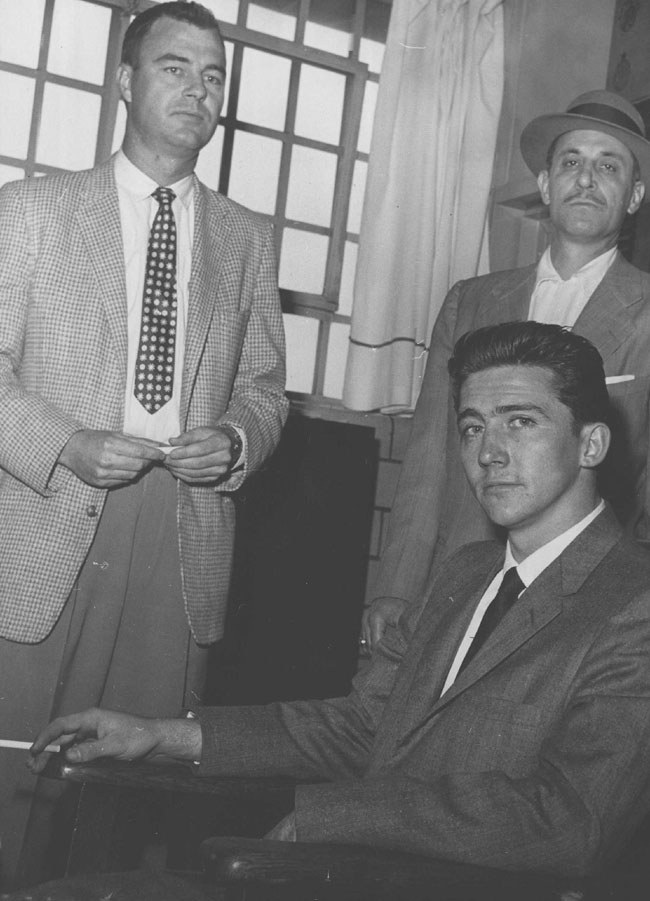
x: 254, y: 869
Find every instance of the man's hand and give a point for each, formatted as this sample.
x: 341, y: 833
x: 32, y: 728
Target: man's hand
x: 201, y: 456
x: 108, y: 459
x: 285, y: 830
x: 120, y: 736
x: 381, y: 613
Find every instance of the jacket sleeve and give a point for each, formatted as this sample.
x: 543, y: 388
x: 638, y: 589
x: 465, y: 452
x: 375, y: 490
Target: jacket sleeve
x: 585, y: 792
x: 415, y: 515
x: 33, y: 431
x: 315, y: 740
x: 258, y: 405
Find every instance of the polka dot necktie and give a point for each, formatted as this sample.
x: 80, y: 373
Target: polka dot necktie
x: 154, y: 366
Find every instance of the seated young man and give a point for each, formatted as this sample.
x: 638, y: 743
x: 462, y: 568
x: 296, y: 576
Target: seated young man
x: 506, y: 731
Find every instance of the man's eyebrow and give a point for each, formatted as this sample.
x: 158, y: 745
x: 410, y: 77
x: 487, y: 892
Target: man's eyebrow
x: 609, y: 153
x: 501, y: 409
x: 176, y: 58
x: 467, y: 413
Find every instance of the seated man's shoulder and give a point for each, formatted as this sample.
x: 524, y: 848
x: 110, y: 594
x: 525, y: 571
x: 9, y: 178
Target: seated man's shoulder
x: 468, y: 563
x: 627, y: 565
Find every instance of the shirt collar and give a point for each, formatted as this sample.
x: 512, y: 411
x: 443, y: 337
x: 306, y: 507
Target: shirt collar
x: 535, y: 563
x: 130, y: 178
x: 594, y: 270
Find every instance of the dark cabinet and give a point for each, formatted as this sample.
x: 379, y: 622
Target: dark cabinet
x: 302, y: 542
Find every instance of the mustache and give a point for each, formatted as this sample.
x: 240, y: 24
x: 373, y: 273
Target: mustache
x: 585, y: 195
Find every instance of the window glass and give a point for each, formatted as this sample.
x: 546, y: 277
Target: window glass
x: 264, y: 89
x: 20, y: 33
x: 330, y: 25
x: 356, y: 196
x: 375, y: 29
x: 337, y: 354
x: 224, y: 10
x: 311, y: 186
x: 71, y: 53
x: 347, y: 277
x: 302, y: 261
x: 229, y: 48
x: 68, y: 131
x: 372, y: 54
x: 254, y: 171
x: 209, y: 163
x: 10, y: 173
x: 320, y: 104
x: 16, y: 99
x: 367, y: 116
x: 302, y: 339
x: 324, y: 38
x: 120, y: 123
x: 281, y: 24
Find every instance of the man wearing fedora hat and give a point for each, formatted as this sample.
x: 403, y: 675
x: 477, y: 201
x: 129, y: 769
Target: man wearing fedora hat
x: 592, y: 164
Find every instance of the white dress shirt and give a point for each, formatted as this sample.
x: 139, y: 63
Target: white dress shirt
x: 528, y: 570
x: 560, y: 301
x: 137, y: 211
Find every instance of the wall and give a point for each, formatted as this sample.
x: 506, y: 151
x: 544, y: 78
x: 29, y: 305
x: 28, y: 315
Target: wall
x: 629, y: 63
x: 555, y: 50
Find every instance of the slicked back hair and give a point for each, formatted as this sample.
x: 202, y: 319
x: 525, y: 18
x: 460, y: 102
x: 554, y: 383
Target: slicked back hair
x: 573, y: 361
x: 190, y: 13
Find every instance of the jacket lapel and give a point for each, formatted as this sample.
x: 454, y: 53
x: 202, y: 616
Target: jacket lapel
x: 606, y: 319
x: 210, y: 242
x: 98, y: 217
x: 541, y: 603
x: 507, y: 302
x: 431, y: 652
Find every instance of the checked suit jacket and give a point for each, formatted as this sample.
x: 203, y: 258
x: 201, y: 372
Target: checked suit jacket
x: 63, y: 362
x: 434, y: 511
x: 537, y: 758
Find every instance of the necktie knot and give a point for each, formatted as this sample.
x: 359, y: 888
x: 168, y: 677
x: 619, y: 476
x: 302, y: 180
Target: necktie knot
x: 511, y: 586
x: 164, y: 196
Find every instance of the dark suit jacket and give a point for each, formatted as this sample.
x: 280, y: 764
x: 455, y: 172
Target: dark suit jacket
x: 63, y: 361
x: 537, y: 758
x: 434, y: 512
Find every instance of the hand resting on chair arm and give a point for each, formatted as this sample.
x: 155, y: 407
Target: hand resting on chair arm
x: 105, y: 733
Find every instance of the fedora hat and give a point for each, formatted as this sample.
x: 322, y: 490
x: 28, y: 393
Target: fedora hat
x: 595, y: 111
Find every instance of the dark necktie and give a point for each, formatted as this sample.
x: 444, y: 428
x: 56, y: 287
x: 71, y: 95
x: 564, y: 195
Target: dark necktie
x: 509, y: 590
x: 154, y: 365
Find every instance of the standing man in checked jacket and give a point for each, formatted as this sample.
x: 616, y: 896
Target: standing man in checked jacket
x: 141, y: 379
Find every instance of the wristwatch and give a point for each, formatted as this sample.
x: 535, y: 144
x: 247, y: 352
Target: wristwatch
x: 236, y: 442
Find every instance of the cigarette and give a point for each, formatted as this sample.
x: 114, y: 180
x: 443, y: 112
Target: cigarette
x: 25, y: 745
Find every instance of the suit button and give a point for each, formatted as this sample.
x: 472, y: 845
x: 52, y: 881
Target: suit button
x: 91, y: 510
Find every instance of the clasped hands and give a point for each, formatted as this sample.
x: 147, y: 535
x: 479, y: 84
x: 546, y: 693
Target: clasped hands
x: 106, y: 459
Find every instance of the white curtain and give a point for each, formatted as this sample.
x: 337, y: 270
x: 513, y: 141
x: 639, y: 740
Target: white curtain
x: 424, y: 222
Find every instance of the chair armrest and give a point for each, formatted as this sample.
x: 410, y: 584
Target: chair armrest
x: 375, y: 871
x: 176, y: 777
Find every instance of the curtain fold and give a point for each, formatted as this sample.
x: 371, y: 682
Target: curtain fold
x: 424, y: 221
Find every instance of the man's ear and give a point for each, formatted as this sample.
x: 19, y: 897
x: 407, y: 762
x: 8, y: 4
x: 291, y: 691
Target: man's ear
x: 123, y: 78
x: 596, y: 438
x: 638, y: 193
x: 542, y: 184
